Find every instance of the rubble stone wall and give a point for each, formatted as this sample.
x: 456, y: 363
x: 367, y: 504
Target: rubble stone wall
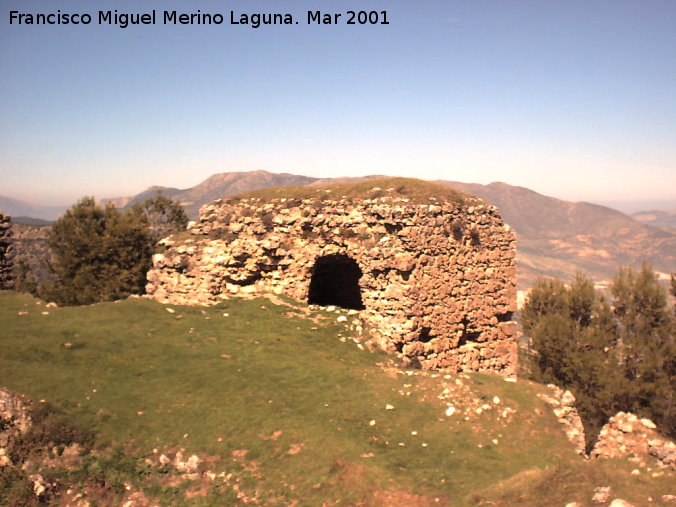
x: 565, y: 410
x: 437, y: 284
x: 6, y: 253
x: 625, y: 434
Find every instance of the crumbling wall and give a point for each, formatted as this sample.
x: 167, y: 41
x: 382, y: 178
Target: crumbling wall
x: 437, y: 280
x: 6, y: 253
x: 625, y: 434
x: 14, y: 421
x: 565, y: 410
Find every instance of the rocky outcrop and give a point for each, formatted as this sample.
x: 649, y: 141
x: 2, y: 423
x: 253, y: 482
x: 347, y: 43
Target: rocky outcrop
x: 563, y: 404
x: 6, y: 253
x: 434, y: 282
x: 627, y: 435
x: 14, y: 421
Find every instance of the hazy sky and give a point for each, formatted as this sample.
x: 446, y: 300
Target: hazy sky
x: 574, y: 99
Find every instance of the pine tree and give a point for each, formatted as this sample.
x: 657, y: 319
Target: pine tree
x: 573, y: 337
x: 612, y: 359
x: 648, y: 362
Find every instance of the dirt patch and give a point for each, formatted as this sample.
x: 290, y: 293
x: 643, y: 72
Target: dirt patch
x: 357, y: 478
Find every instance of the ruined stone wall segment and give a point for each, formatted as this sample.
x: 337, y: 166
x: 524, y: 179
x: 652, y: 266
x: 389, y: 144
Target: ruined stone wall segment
x: 438, y: 282
x: 6, y: 253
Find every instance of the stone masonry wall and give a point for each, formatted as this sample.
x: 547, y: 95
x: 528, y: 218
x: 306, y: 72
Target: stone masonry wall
x: 437, y: 284
x: 6, y: 253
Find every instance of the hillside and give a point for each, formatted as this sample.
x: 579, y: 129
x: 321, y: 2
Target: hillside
x: 16, y: 208
x: 279, y: 406
x: 125, y: 202
x: 37, y: 222
x: 657, y: 218
x: 32, y: 247
x: 558, y: 238
x: 215, y: 187
x: 414, y: 190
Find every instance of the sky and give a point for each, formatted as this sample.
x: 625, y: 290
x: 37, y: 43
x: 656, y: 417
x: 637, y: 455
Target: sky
x: 574, y: 99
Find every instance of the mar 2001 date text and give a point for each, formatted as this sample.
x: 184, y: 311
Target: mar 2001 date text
x: 347, y: 18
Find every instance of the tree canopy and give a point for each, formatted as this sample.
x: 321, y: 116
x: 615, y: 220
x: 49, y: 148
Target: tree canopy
x: 164, y: 216
x: 619, y: 357
x: 103, y: 253
x: 98, y: 254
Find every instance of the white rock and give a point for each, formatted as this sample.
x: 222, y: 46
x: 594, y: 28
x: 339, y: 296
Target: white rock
x: 601, y: 494
x: 568, y: 398
x: 624, y: 427
x: 648, y: 424
x: 618, y: 502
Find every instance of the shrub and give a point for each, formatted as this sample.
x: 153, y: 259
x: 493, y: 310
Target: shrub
x: 16, y: 489
x: 49, y: 428
x: 24, y: 280
x: 99, y: 254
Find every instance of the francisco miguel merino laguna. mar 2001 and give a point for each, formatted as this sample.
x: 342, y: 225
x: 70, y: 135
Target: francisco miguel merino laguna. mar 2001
x: 254, y: 20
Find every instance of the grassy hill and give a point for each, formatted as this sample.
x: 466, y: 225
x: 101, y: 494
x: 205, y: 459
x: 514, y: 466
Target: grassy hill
x: 284, y: 408
x: 415, y: 190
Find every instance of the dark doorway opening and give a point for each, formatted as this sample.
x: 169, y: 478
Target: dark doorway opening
x: 335, y: 281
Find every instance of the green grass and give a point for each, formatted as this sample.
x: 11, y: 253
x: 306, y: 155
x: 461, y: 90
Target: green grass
x: 416, y: 191
x: 144, y: 378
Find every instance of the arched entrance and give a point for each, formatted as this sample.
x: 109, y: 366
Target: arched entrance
x: 335, y: 281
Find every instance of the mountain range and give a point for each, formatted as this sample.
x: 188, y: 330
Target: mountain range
x: 558, y: 238
x: 555, y: 237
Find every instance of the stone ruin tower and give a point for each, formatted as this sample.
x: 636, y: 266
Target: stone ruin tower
x: 433, y: 278
x: 6, y: 253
